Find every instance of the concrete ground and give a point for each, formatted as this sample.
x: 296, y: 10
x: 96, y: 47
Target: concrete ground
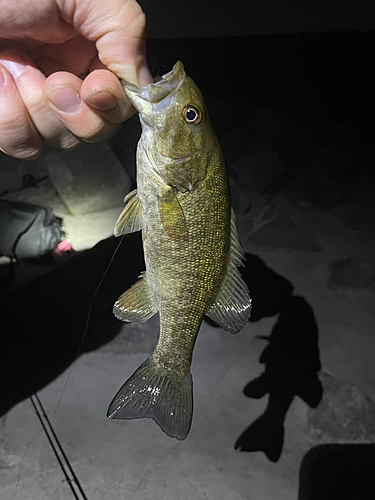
x: 308, y: 235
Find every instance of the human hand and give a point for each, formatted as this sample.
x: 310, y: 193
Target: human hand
x: 60, y: 61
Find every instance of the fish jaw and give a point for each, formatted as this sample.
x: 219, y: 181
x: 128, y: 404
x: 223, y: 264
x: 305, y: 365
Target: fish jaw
x: 155, y: 97
x: 153, y: 93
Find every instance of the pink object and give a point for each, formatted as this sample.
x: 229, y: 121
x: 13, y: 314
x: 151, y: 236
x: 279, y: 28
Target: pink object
x: 63, y: 252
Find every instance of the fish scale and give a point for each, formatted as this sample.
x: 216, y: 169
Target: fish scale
x: 191, y: 248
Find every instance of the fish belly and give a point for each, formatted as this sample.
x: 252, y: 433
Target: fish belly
x: 185, y: 274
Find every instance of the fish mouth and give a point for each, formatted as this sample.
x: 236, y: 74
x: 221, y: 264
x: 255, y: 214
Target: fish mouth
x: 156, y: 92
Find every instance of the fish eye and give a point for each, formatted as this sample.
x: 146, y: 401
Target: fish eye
x: 192, y: 115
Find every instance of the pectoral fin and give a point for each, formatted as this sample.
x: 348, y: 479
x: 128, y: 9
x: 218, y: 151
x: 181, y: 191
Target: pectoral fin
x: 135, y: 305
x: 232, y: 306
x: 130, y: 219
x: 171, y: 215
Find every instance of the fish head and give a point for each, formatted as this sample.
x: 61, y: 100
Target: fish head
x: 176, y: 130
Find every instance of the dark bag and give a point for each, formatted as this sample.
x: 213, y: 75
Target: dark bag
x: 28, y: 231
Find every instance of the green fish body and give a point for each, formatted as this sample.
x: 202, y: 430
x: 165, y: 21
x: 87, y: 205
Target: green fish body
x: 191, y: 248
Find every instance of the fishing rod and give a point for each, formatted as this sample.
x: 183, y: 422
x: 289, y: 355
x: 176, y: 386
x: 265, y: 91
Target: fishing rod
x: 65, y: 465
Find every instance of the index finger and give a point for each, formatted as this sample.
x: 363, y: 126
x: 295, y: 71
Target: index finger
x: 118, y: 30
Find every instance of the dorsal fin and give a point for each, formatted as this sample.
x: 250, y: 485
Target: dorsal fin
x: 232, y: 306
x: 237, y: 255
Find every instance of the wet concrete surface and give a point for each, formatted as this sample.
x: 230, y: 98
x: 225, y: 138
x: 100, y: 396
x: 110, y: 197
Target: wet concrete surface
x: 305, y: 360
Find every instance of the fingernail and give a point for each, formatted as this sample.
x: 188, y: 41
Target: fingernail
x: 65, y: 99
x: 15, y: 68
x: 2, y: 79
x: 102, y: 100
x: 145, y: 76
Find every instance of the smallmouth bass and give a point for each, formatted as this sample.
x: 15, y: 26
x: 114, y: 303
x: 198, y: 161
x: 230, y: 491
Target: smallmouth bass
x: 191, y: 248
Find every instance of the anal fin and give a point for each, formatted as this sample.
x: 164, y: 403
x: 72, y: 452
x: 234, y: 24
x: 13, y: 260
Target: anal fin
x: 135, y: 305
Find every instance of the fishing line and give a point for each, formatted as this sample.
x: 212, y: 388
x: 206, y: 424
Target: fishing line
x: 72, y: 366
x: 87, y: 323
x: 23, y: 458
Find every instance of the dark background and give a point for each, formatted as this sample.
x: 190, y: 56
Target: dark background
x: 308, y: 62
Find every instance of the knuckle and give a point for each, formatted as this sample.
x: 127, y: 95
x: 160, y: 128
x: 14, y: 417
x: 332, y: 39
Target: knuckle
x: 22, y: 152
x: 62, y: 138
x: 12, y: 120
x: 104, y: 134
x: 18, y: 141
x: 69, y: 142
x: 29, y: 153
x: 99, y: 132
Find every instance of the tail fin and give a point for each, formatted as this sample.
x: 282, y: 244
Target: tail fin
x: 150, y: 394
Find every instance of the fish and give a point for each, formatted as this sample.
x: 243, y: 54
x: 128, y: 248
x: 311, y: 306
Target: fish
x: 191, y: 248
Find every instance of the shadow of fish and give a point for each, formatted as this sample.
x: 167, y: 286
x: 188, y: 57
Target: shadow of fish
x: 191, y: 248
x: 292, y: 364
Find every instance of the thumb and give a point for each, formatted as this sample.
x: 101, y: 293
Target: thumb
x: 118, y: 28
